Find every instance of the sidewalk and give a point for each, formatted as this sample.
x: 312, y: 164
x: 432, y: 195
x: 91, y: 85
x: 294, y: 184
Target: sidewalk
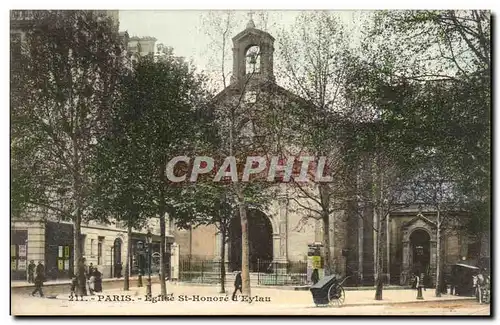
x: 286, y: 298
x: 22, y: 283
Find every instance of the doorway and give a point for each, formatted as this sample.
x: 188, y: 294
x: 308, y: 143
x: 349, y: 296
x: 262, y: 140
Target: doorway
x: 117, y: 258
x: 420, y: 251
x: 260, y: 242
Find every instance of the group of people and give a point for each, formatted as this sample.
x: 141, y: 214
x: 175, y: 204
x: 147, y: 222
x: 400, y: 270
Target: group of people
x: 36, y: 275
x: 481, y: 283
x: 90, y: 276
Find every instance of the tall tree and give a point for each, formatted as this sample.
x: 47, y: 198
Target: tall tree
x: 446, y: 56
x: 428, y: 73
x: 243, y: 125
x: 119, y: 171
x: 65, y: 79
x: 316, y: 66
x: 166, y: 100
x: 390, y: 160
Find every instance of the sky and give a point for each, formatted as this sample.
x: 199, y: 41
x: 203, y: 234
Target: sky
x: 187, y: 31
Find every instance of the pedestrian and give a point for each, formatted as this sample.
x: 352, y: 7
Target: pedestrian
x: 97, y: 281
x: 31, y: 272
x: 40, y: 268
x: 74, y: 284
x: 118, y: 270
x: 413, y: 281
x: 480, y: 285
x: 90, y: 270
x: 315, y: 276
x: 237, y: 285
x: 453, y: 282
x: 92, y: 282
x: 39, y: 279
x: 476, y: 287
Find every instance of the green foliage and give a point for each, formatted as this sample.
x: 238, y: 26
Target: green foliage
x: 159, y: 116
x: 63, y: 77
x: 426, y: 74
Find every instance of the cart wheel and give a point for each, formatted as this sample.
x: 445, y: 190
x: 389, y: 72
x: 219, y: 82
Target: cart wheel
x: 336, y: 295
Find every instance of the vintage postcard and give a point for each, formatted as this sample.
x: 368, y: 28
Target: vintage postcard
x: 250, y: 162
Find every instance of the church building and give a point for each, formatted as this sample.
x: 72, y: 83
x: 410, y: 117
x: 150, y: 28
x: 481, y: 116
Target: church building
x: 283, y: 235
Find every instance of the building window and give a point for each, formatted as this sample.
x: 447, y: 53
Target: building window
x: 92, y: 248
x: 99, y: 250
x: 473, y: 250
x: 82, y: 244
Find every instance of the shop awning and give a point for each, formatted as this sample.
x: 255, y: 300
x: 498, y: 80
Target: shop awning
x: 467, y: 266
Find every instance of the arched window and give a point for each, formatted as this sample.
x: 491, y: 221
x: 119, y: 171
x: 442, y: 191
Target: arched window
x: 253, y: 60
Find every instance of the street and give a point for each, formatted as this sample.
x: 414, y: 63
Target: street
x: 192, y: 300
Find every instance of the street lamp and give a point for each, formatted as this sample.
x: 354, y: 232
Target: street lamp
x: 149, y: 241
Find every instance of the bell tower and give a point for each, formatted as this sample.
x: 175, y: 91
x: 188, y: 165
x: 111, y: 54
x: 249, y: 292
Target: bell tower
x: 252, y: 55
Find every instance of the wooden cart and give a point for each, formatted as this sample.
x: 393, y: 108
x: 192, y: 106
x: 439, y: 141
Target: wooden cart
x: 329, y: 291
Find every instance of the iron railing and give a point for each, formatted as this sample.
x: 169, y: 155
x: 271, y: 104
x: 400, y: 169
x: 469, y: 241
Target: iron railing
x: 262, y: 272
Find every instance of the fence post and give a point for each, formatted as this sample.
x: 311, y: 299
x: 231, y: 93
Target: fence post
x: 258, y: 271
x: 275, y: 273
x: 202, y: 271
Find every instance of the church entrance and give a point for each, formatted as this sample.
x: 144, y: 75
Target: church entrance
x: 420, y: 250
x: 260, y: 242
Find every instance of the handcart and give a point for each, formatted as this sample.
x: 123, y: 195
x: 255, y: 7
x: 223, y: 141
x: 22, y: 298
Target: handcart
x: 329, y: 291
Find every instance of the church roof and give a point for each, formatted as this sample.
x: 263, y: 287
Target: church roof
x: 417, y: 218
x: 252, y: 31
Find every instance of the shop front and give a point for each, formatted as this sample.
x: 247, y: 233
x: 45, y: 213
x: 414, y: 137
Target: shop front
x: 19, y: 254
x: 58, y: 250
x: 141, y: 255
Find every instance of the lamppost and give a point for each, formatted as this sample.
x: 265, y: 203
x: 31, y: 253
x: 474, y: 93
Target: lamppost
x: 420, y: 285
x: 140, y: 252
x: 149, y: 241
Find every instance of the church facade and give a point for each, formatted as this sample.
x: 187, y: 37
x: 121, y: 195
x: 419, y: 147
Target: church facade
x: 283, y: 233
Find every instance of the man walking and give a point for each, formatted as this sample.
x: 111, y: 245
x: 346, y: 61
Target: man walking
x: 39, y: 279
x: 31, y: 272
x: 315, y: 276
x: 237, y: 285
x: 40, y: 269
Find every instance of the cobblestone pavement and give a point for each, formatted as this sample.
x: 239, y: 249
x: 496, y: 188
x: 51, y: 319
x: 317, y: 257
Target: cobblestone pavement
x: 191, y: 300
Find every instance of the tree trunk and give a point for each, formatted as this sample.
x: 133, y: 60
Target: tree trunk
x: 380, y: 260
x: 438, y: 256
x: 82, y: 285
x: 324, y: 196
x: 163, y: 285
x: 222, y: 262
x: 81, y: 281
x: 326, y: 242
x: 126, y: 282
x: 245, y: 257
